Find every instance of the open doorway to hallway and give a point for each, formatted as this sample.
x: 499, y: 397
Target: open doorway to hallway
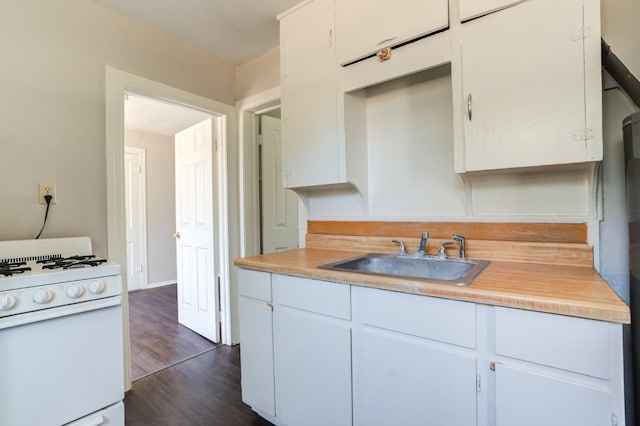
x: 152, y: 130
x: 278, y: 206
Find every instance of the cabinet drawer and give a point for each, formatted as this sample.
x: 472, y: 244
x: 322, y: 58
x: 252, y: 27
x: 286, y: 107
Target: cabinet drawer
x: 572, y: 344
x: 254, y: 284
x: 447, y: 321
x: 322, y: 297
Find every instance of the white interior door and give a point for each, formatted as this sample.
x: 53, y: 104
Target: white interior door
x: 279, y: 205
x: 135, y: 205
x: 196, y: 233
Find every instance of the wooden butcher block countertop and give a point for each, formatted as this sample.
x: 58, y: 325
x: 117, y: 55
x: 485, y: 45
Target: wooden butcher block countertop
x: 555, y: 288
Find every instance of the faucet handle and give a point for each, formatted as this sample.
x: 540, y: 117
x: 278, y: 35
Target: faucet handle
x: 402, y: 249
x: 462, y: 243
x: 441, y: 252
x: 423, y: 242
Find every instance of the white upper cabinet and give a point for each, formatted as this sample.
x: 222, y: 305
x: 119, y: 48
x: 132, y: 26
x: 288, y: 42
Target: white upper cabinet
x: 470, y: 9
x: 309, y: 93
x: 529, y: 91
x: 365, y: 26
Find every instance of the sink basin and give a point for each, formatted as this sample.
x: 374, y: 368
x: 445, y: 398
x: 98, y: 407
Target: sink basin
x: 445, y: 270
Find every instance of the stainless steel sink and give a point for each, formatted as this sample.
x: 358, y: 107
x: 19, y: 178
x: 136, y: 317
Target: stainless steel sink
x: 432, y: 268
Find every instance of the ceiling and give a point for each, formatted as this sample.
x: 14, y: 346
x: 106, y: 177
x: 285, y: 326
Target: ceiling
x: 233, y: 30
x: 158, y: 117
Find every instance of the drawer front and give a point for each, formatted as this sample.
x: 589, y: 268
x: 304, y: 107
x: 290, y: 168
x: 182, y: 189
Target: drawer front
x: 254, y: 284
x: 322, y: 297
x: 572, y: 344
x: 448, y: 321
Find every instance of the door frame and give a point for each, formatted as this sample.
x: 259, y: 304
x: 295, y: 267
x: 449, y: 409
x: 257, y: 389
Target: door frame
x: 142, y: 212
x: 248, y: 110
x: 117, y: 83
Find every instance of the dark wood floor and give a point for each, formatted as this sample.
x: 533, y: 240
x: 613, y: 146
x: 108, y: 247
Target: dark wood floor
x: 157, y: 340
x: 182, y: 378
x: 204, y: 390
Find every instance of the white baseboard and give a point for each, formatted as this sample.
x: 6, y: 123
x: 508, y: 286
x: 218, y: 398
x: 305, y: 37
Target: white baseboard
x: 161, y: 283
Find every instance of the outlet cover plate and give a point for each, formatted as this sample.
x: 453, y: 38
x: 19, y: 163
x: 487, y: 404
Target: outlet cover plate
x: 47, y: 189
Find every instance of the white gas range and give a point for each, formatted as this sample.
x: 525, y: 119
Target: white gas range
x: 61, y: 357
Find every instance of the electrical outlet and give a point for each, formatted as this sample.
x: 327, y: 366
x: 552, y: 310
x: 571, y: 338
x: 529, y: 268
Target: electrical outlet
x: 47, y: 189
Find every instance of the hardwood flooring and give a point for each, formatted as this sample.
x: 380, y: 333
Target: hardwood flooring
x: 157, y: 340
x: 180, y: 378
x: 204, y: 390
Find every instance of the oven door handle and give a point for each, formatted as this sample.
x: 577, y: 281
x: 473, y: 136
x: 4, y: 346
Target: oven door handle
x: 62, y: 311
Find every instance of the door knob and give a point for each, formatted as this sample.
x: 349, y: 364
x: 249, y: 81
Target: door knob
x: 175, y: 235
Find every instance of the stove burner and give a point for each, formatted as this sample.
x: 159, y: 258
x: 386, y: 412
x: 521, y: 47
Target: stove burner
x: 71, y: 262
x: 9, y: 268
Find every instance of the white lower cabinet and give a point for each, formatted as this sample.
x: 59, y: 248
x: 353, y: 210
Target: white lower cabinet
x: 312, y: 335
x: 404, y: 380
x: 414, y: 361
x: 534, y: 397
x: 335, y: 354
x: 555, y: 370
x: 256, y: 336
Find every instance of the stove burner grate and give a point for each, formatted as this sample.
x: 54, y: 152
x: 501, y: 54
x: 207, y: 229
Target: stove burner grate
x: 71, y: 262
x: 9, y: 268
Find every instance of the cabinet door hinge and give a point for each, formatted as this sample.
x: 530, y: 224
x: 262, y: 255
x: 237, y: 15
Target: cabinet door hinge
x: 260, y: 140
x: 614, y: 419
x: 583, y: 134
x: 580, y: 34
x: 478, y: 384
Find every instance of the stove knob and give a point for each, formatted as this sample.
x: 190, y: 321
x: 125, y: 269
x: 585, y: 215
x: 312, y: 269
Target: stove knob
x: 42, y: 296
x: 7, y: 302
x: 74, y: 291
x: 97, y: 287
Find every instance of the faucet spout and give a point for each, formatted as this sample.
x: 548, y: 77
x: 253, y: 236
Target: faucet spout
x: 423, y: 243
x: 462, y: 243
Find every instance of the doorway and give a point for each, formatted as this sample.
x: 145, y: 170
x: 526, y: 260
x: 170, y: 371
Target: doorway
x: 153, y: 129
x: 250, y: 110
x: 117, y: 84
x: 278, y: 206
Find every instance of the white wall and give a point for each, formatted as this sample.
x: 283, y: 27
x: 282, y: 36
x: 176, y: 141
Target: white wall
x: 52, y: 108
x: 161, y: 206
x: 411, y: 175
x: 614, y: 236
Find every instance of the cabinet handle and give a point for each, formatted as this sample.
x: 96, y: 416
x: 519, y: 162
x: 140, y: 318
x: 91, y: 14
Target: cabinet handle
x: 492, y: 365
x: 469, y: 108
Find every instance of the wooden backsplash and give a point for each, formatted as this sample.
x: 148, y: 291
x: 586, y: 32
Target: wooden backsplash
x: 545, y: 243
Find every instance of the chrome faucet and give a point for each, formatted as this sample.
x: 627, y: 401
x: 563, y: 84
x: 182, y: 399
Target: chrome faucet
x: 441, y: 252
x: 462, y: 243
x: 402, y: 249
x: 423, y: 243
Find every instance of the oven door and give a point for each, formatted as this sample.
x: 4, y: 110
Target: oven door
x: 58, y: 365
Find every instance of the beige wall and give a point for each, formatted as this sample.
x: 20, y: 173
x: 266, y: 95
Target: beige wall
x: 161, y: 205
x: 620, y: 28
x: 52, y: 124
x: 259, y: 74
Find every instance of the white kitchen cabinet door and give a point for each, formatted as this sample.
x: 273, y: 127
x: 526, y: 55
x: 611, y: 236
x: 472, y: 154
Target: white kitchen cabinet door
x: 523, y: 88
x: 313, y: 368
x: 365, y: 26
x: 529, y: 398
x: 256, y: 354
x: 403, y: 380
x: 470, y: 9
x: 309, y: 93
